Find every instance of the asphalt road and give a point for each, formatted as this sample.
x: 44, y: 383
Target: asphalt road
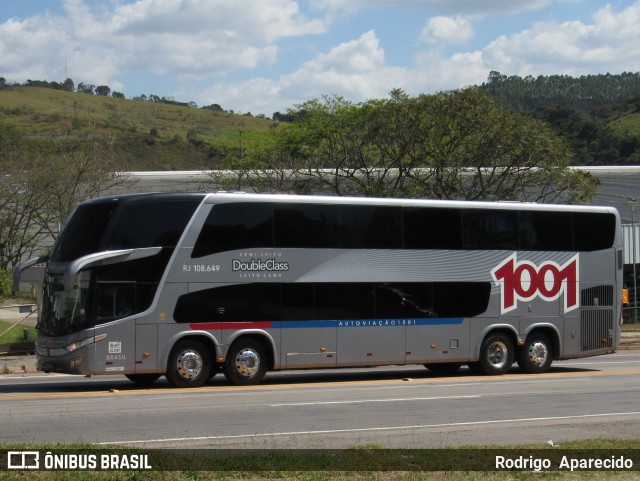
x: 390, y: 407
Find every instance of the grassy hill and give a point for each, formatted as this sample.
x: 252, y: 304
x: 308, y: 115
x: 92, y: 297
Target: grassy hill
x: 165, y: 136
x: 148, y: 135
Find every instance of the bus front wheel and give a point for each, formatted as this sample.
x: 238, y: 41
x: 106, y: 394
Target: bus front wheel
x: 536, y: 355
x: 496, y: 354
x: 246, y: 363
x: 189, y: 364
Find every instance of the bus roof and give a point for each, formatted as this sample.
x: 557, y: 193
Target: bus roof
x: 229, y: 197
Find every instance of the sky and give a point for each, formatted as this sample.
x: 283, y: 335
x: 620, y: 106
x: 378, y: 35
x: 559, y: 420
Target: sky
x: 266, y: 56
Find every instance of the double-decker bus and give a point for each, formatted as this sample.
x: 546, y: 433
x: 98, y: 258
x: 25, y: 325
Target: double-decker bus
x: 187, y: 285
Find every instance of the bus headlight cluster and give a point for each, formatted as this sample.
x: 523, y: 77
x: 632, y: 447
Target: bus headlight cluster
x: 74, y: 346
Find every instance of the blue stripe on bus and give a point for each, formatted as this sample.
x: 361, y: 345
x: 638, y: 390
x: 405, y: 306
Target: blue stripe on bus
x: 430, y: 321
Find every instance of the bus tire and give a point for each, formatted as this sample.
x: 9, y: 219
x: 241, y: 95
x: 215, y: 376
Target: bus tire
x: 443, y: 368
x: 143, y: 379
x: 246, y: 363
x: 189, y: 364
x: 496, y: 354
x: 536, y: 355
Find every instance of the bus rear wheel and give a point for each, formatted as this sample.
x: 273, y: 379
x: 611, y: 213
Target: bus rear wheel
x: 246, y: 363
x: 536, y: 355
x: 496, y: 354
x: 189, y: 364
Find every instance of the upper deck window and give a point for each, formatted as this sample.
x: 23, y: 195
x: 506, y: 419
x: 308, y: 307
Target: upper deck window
x: 324, y: 226
x: 151, y: 224
x: 242, y: 225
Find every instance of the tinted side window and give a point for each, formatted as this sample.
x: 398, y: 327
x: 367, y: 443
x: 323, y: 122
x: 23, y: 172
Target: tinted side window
x: 461, y: 299
x: 344, y: 301
x: 151, y: 224
x: 297, y: 302
x: 370, y: 227
x: 593, y: 232
x: 490, y: 229
x: 306, y: 226
x: 129, y: 287
x: 333, y: 301
x: 236, y: 303
x: 402, y: 300
x: 427, y: 228
x: 545, y: 231
x: 235, y: 226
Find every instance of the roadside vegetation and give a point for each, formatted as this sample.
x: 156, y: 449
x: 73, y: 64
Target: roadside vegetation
x: 12, y: 332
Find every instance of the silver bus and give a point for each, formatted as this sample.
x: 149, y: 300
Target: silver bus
x: 187, y: 285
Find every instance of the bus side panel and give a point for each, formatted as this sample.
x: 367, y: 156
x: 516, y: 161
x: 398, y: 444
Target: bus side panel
x: 571, y: 336
x: 146, y: 348
x: 366, y: 343
x: 306, y: 348
x: 440, y: 340
x: 117, y: 352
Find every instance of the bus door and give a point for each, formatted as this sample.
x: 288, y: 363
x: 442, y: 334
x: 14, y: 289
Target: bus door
x: 115, y: 301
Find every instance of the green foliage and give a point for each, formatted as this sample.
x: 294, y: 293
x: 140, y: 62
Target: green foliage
x: 453, y: 145
x: 588, y: 92
x: 597, y: 115
x: 6, y: 283
x: 46, y: 114
x: 15, y: 334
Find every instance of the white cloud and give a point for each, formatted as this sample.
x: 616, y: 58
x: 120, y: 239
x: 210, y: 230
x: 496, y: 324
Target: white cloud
x: 449, y: 30
x: 354, y: 69
x: 458, y: 6
x: 220, y: 43
x: 196, y: 37
x: 610, y: 43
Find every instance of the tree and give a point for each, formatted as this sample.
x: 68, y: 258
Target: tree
x: 453, y: 145
x: 68, y: 85
x: 42, y: 183
x: 103, y: 90
x: 85, y: 88
x: 20, y: 203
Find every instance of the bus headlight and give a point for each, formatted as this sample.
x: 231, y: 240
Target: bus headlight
x: 74, y: 346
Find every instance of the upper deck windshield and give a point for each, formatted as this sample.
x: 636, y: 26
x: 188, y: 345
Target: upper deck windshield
x: 84, y: 232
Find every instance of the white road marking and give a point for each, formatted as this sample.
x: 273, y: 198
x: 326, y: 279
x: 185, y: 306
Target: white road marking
x: 358, y: 401
x: 378, y: 429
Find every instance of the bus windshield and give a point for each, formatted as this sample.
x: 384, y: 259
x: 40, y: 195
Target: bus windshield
x: 64, y: 312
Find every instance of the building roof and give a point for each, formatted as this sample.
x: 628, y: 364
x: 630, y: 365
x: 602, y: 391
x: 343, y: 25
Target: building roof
x: 618, y: 187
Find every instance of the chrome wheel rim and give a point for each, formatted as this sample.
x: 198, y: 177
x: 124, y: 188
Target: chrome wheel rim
x: 189, y: 364
x: 497, y: 354
x: 538, y: 353
x: 247, y: 362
